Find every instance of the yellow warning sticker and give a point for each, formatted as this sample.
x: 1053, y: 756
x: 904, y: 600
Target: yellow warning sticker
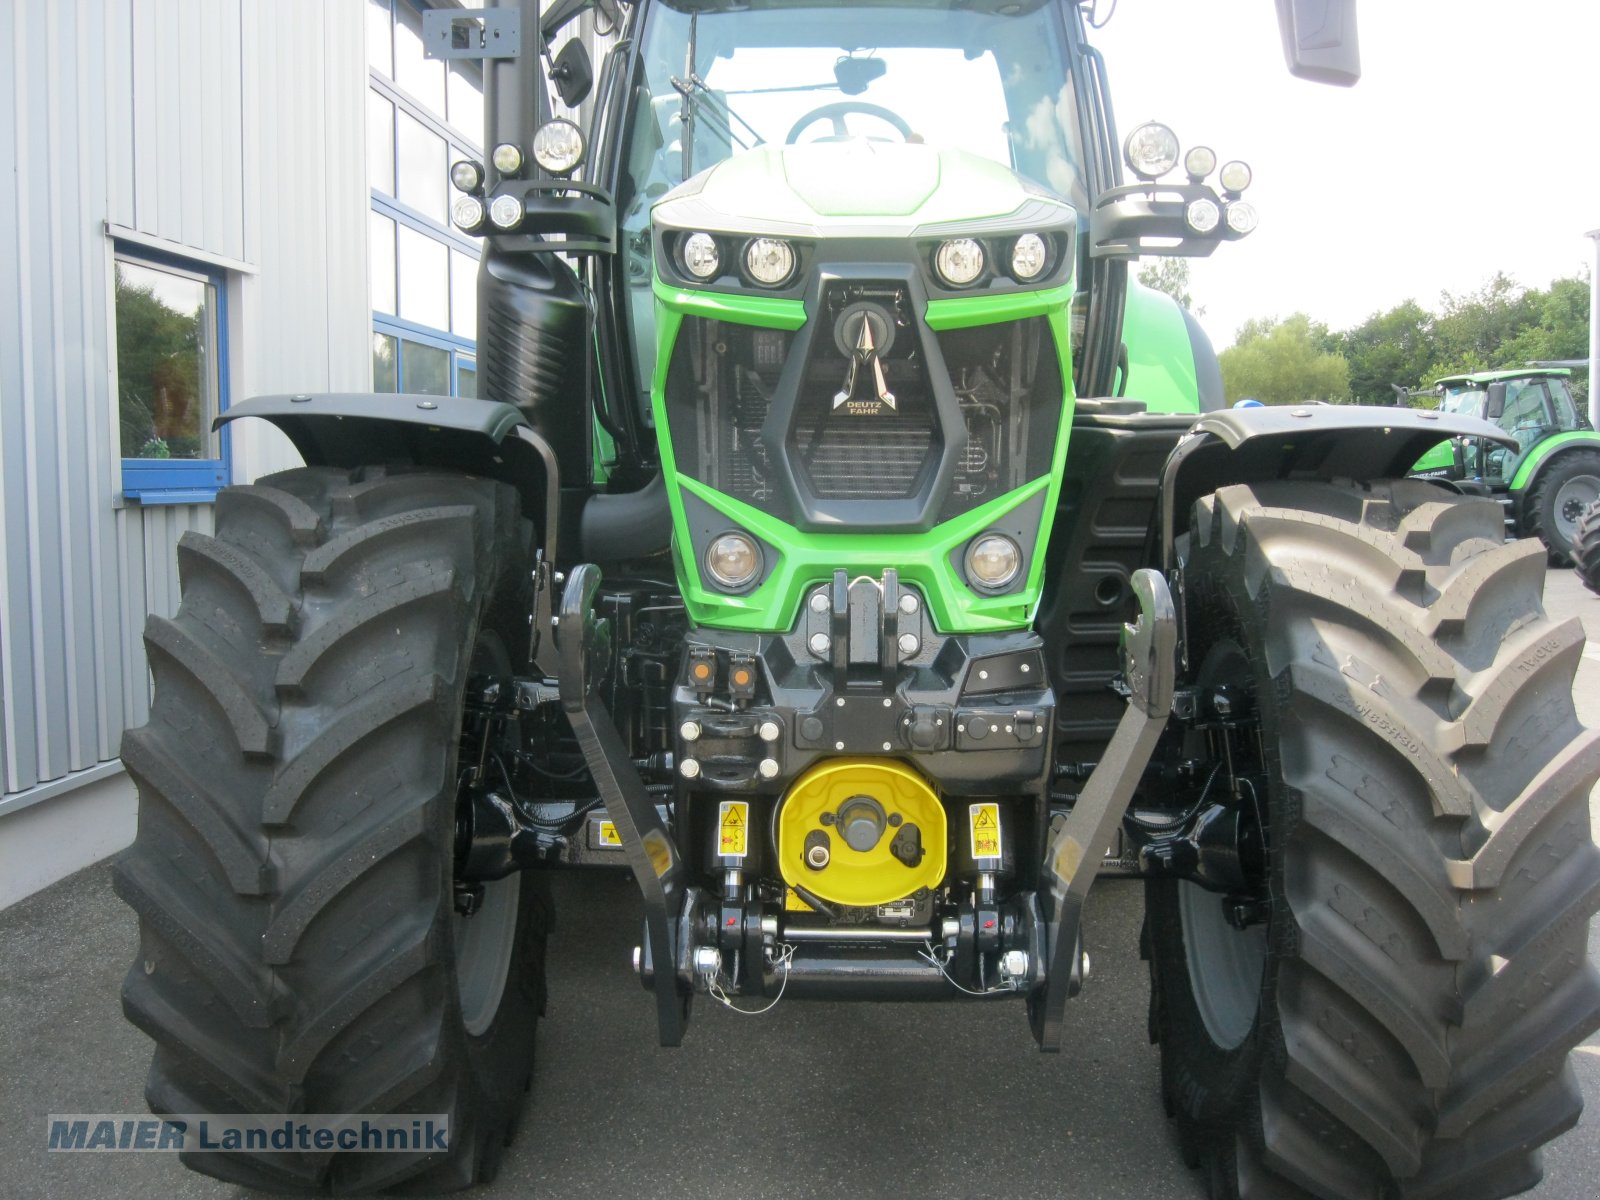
x: 793, y: 903
x: 985, y: 830
x: 608, y: 834
x: 733, y: 821
x: 660, y: 852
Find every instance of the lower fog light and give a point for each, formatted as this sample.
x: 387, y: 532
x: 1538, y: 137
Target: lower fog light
x: 993, y: 560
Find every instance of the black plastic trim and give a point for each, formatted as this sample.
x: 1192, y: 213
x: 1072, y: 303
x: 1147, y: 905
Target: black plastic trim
x: 817, y: 515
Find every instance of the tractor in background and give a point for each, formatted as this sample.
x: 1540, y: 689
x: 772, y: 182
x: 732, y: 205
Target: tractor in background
x: 1547, y: 478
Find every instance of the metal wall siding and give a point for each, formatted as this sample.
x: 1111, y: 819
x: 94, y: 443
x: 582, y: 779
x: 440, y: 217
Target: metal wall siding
x: 187, y: 157
x: 220, y: 126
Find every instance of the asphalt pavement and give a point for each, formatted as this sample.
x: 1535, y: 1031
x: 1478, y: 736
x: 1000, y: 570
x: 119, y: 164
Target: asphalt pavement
x: 813, y: 1099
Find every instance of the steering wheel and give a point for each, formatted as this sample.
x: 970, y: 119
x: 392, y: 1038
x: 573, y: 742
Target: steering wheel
x: 836, y: 113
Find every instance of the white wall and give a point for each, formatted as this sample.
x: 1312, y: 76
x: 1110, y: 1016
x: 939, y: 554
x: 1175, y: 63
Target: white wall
x: 227, y: 131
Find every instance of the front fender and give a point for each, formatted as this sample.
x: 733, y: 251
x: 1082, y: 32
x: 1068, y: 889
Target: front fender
x: 1309, y: 441
x: 478, y: 437
x: 1541, y: 454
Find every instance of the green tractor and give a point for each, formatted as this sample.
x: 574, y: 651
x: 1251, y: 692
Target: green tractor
x: 848, y: 551
x: 1548, y: 476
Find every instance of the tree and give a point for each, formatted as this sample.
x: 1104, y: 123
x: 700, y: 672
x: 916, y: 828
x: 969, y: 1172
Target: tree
x: 1284, y: 362
x: 1388, y: 348
x: 1171, y: 275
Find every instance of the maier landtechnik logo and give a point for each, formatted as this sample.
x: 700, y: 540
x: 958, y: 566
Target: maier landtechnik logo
x: 256, y: 1133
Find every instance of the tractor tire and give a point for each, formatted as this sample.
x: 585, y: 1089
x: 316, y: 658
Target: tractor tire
x: 1556, y: 499
x: 300, y: 946
x: 1586, y: 550
x: 1399, y: 1024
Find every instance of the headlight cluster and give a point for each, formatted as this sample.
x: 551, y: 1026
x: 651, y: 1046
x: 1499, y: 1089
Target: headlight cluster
x: 960, y: 262
x: 558, y: 149
x: 1151, y: 151
x: 768, y: 261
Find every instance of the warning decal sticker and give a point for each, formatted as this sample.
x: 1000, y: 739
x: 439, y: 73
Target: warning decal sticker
x: 733, y: 822
x: 985, y: 830
x: 608, y: 834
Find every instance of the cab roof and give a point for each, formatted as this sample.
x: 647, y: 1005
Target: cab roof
x: 1496, y: 376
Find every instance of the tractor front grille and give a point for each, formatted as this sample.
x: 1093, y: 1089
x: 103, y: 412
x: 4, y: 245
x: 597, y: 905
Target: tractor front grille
x: 843, y: 464
x: 724, y: 381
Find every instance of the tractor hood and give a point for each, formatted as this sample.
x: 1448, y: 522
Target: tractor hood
x: 855, y: 188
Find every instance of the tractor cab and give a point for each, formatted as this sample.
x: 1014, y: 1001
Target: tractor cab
x: 1548, y: 476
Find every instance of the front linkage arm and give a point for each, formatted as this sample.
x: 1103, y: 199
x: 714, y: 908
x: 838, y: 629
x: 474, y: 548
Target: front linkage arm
x: 1072, y: 859
x: 655, y: 859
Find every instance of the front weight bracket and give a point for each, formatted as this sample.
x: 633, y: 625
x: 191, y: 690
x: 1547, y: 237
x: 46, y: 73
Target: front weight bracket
x: 1072, y: 857
x: 657, y: 863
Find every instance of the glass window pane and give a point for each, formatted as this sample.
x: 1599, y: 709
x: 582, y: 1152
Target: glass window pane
x: 463, y: 295
x: 425, y: 369
x: 380, y: 48
x: 166, y: 363
x: 384, y: 378
x: 421, y: 76
x: 424, y: 279
x: 382, y: 232
x: 466, y: 378
x: 380, y: 143
x: 424, y: 171
x: 466, y: 100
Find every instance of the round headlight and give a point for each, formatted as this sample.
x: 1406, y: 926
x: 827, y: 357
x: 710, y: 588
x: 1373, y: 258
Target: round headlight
x: 733, y: 560
x: 505, y: 212
x: 1202, y: 215
x: 700, y: 257
x: 1199, y: 162
x: 1028, y: 256
x: 993, y: 560
x: 959, y: 261
x: 769, y: 260
x: 467, y: 212
x: 507, y: 158
x: 1241, y: 217
x: 558, y: 146
x: 466, y: 175
x: 1235, y: 176
x: 1151, y: 150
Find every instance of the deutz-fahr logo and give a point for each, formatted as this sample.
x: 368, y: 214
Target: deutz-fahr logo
x: 867, y: 331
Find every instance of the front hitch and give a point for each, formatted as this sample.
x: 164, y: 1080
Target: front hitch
x: 1072, y: 859
x: 657, y: 863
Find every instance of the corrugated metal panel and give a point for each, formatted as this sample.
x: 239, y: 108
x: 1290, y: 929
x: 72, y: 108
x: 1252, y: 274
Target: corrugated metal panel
x: 233, y: 128
x: 187, y: 157
x: 55, y: 427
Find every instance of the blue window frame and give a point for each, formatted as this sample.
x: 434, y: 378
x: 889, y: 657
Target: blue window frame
x: 172, y: 377
x: 422, y: 115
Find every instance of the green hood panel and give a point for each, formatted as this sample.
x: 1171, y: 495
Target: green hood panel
x: 837, y: 188
x: 1441, y: 458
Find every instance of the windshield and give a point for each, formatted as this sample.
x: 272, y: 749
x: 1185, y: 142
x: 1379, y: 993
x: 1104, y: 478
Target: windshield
x: 776, y: 72
x: 1464, y: 401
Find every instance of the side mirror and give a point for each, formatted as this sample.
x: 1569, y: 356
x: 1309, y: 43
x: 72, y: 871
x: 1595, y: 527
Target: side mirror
x: 572, y: 73
x: 1319, y: 40
x: 1495, y: 407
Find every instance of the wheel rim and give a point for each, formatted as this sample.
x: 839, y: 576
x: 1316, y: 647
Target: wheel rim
x: 1575, y: 495
x: 1226, y: 965
x: 483, y: 952
x: 485, y: 939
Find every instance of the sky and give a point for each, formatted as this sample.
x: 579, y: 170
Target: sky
x: 1469, y: 146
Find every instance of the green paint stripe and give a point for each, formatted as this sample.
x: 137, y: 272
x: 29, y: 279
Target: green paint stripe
x: 963, y: 312
x: 768, y: 312
x: 1542, y: 451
